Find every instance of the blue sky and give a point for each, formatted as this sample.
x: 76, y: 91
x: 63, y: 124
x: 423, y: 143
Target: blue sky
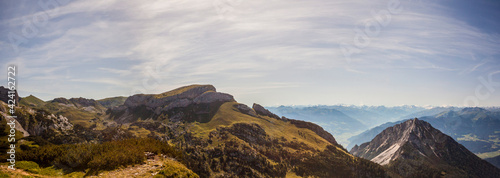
x: 277, y: 52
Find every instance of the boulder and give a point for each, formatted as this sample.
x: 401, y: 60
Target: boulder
x: 245, y: 109
x: 260, y: 110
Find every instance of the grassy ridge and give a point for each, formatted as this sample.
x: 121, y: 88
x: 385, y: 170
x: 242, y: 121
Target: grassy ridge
x: 32, y: 101
x: 263, y: 146
x: 179, y: 90
x: 229, y: 115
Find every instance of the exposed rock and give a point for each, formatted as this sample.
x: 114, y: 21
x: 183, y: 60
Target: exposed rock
x: 264, y: 112
x: 192, y: 103
x: 18, y: 126
x: 316, y: 129
x: 83, y: 102
x: 210, y: 97
x: 4, y: 95
x: 245, y: 109
x: 46, y: 123
x: 61, y: 100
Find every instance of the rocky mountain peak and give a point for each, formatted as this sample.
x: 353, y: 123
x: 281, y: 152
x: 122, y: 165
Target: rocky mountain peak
x: 415, y: 143
x: 384, y: 147
x: 177, y: 104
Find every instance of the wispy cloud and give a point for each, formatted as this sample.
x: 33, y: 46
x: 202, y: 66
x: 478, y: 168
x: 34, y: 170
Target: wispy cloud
x: 261, y: 42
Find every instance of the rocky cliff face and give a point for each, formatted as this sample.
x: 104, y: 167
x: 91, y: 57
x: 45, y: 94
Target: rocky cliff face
x: 416, y: 149
x: 80, y: 103
x: 4, y: 95
x: 260, y: 110
x: 316, y: 129
x: 191, y: 103
x: 263, y: 111
x: 40, y: 123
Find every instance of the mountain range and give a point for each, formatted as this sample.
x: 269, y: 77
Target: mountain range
x: 202, y: 132
x: 475, y: 128
x: 347, y: 121
x: 195, y: 131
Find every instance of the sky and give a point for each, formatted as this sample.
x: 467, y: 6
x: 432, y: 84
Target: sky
x: 274, y: 52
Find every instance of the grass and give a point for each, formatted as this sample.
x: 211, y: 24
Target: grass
x: 291, y: 174
x: 33, y: 167
x: 4, y: 136
x: 179, y: 91
x: 229, y: 115
x: 32, y: 100
x: 94, y: 158
x: 74, y: 115
x: 173, y: 168
x: 139, y: 131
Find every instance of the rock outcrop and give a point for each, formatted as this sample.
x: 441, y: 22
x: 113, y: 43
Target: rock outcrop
x: 260, y: 110
x: 316, y: 129
x: 78, y: 102
x: 264, y: 112
x: 246, y: 110
x: 191, y: 103
x: 4, y: 95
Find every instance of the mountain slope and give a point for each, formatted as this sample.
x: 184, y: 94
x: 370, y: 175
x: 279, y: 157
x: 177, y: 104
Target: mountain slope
x: 475, y: 128
x: 416, y: 149
x: 31, y: 101
x: 112, y: 102
x: 80, y: 111
x: 368, y: 135
x: 217, y: 136
x: 332, y: 120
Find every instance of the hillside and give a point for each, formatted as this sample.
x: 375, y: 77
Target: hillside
x: 32, y: 101
x: 112, y: 102
x: 332, y: 120
x: 217, y: 137
x: 348, y: 121
x: 416, y: 149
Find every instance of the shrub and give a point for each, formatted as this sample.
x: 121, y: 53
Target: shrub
x: 98, y: 157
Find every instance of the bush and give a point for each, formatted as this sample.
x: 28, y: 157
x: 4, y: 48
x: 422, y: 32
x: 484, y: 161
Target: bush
x: 98, y: 157
x: 29, y: 166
